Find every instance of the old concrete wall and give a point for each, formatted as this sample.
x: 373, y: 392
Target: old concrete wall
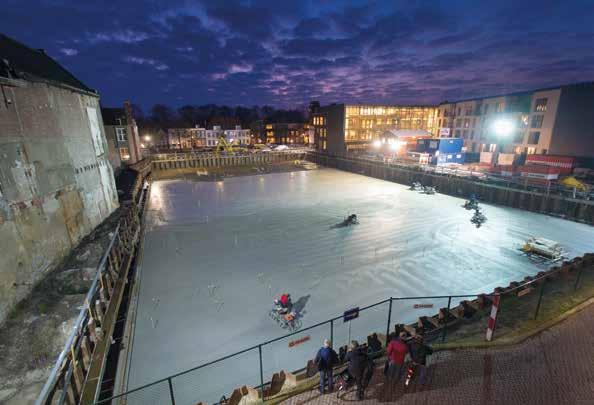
x: 56, y: 182
x: 578, y: 210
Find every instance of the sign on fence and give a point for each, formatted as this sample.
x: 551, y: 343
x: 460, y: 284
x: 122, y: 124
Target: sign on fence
x: 418, y: 306
x: 296, y: 342
x: 350, y: 314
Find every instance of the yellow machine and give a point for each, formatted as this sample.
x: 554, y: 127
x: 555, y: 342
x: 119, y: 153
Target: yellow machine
x: 572, y: 182
x: 222, y: 144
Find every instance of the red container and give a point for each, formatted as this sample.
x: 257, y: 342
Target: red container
x: 564, y: 163
x: 540, y: 172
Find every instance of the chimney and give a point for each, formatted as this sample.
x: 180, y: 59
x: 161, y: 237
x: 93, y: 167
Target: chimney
x: 128, y: 111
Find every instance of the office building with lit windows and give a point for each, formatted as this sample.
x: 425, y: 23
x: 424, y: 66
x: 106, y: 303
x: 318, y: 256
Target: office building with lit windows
x: 556, y: 121
x: 340, y: 128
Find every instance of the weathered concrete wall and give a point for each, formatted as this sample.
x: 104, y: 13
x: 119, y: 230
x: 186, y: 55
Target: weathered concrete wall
x: 577, y: 210
x: 56, y: 182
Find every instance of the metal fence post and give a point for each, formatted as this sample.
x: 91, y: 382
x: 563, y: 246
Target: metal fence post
x: 171, y: 391
x: 577, y: 279
x: 389, y: 322
x: 332, y: 331
x: 261, y: 373
x: 447, y: 316
x: 544, y: 281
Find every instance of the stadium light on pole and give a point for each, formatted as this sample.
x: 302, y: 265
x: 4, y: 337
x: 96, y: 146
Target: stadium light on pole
x: 503, y: 127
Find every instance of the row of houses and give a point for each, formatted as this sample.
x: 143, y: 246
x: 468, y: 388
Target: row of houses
x: 270, y: 133
x: 548, y: 121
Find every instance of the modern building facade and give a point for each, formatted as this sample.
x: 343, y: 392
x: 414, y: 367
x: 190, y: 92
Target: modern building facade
x: 557, y: 121
x: 122, y: 136
x: 287, y: 133
x: 56, y: 181
x: 340, y: 128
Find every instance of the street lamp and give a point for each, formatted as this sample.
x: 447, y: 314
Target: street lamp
x: 377, y: 143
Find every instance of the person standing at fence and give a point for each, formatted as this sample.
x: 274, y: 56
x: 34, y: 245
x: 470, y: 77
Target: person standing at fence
x: 357, y: 359
x: 418, y: 353
x: 326, y: 359
x: 397, y: 351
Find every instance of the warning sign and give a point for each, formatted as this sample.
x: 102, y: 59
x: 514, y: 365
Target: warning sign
x: 296, y: 342
x: 418, y: 306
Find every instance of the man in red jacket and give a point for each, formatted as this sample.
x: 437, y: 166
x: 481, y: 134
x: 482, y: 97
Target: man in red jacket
x: 397, y: 351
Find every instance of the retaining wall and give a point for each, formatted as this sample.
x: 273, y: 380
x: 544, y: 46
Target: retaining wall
x: 576, y: 210
x: 184, y: 161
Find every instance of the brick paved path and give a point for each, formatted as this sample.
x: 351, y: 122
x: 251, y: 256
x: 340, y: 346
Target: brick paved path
x: 555, y: 367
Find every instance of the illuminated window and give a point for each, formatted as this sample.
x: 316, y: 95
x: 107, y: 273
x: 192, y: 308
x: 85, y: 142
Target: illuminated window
x: 531, y: 151
x: 124, y: 154
x: 540, y: 105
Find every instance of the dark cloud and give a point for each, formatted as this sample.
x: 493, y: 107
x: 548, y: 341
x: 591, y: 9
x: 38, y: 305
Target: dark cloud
x: 287, y: 53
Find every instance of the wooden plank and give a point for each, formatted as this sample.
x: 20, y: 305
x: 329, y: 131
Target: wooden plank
x: 92, y: 382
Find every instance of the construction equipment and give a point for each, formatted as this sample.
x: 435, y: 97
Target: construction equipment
x: 222, y: 144
x: 572, y: 182
x: 546, y: 248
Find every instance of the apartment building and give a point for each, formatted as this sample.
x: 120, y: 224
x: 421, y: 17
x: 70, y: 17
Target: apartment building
x: 340, y: 128
x: 191, y: 138
x: 122, y: 136
x: 555, y: 120
x: 287, y: 133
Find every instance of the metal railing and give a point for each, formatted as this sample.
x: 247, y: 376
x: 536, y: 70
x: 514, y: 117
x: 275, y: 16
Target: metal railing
x: 65, y: 383
x: 255, y: 365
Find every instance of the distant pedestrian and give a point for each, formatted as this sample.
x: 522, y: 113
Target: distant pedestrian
x: 326, y: 359
x: 397, y: 351
x: 418, y: 353
x: 357, y: 359
x: 375, y: 346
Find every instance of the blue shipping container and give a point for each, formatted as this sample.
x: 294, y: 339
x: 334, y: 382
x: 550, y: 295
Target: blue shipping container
x: 449, y: 158
x: 443, y: 145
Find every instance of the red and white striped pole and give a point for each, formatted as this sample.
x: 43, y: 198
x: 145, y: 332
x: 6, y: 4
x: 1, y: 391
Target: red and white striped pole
x: 493, y: 317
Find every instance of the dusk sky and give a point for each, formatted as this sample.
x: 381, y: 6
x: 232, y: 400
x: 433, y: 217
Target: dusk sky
x: 286, y: 53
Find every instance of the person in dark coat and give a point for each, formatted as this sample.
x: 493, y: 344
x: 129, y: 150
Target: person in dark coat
x: 375, y: 346
x: 357, y: 359
x: 418, y: 353
x: 326, y: 359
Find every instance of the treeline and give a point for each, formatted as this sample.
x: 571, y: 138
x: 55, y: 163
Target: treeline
x: 164, y: 117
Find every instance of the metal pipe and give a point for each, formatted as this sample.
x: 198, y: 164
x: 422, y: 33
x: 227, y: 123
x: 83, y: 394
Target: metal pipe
x: 389, y: 322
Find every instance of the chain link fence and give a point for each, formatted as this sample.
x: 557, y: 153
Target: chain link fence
x: 446, y: 321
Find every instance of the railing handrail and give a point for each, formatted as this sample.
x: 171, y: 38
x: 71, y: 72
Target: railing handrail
x: 492, y: 294
x: 78, y: 324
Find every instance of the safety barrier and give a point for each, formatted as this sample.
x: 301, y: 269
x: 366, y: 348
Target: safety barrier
x: 78, y: 370
x: 271, y: 365
x: 192, y: 160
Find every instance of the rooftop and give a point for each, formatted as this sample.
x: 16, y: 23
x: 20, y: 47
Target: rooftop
x: 519, y: 93
x: 18, y: 61
x: 111, y: 114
